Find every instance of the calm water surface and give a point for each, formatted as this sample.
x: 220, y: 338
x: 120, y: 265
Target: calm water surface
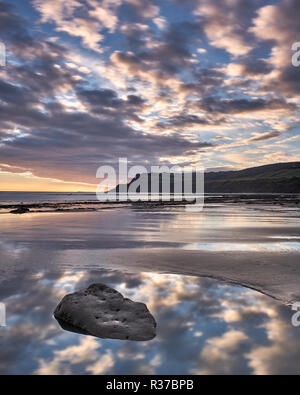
x: 156, y: 257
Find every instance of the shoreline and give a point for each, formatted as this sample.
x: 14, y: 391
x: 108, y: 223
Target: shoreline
x: 283, y: 200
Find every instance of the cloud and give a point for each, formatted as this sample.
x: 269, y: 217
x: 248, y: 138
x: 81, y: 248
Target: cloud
x: 159, y: 60
x: 278, y: 24
x: 150, y: 95
x: 221, y: 353
x: 85, y: 352
x: 265, y: 136
x: 95, y: 18
x: 239, y: 106
x: 226, y: 24
x: 250, y: 67
x: 144, y: 8
x: 42, y: 130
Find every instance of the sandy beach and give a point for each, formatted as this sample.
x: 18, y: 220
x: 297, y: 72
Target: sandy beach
x: 255, y: 245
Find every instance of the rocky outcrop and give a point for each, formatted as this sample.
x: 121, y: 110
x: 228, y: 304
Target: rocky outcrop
x: 20, y: 210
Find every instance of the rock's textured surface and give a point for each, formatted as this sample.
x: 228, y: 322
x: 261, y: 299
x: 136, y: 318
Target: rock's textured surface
x: 102, y: 312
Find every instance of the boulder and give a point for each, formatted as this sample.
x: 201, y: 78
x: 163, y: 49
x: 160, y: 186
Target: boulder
x: 103, y: 312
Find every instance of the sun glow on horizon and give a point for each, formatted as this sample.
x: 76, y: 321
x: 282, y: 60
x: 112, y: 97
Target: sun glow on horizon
x: 27, y: 182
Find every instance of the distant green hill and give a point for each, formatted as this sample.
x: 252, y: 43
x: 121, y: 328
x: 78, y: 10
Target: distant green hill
x: 275, y: 178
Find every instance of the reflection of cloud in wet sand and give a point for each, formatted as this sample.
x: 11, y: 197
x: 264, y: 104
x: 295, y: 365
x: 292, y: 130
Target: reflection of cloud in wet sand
x: 86, y: 353
x: 204, y: 327
x: 235, y: 244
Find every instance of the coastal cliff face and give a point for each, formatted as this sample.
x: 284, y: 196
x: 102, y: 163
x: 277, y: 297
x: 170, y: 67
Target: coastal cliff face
x: 276, y: 178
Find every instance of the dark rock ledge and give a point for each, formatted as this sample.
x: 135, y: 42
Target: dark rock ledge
x: 20, y: 210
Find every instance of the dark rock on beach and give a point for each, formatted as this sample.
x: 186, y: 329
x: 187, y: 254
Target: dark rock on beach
x: 103, y: 312
x: 20, y: 210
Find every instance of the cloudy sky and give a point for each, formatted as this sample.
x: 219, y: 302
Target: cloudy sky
x: 202, y: 82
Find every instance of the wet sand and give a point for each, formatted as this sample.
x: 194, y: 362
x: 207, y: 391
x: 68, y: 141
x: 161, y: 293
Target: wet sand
x: 157, y: 255
x: 256, y: 246
x: 203, y: 327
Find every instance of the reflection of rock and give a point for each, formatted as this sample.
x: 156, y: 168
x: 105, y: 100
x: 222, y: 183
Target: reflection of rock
x: 103, y: 312
x: 20, y: 210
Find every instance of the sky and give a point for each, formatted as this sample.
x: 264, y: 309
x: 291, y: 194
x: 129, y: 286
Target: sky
x: 161, y: 82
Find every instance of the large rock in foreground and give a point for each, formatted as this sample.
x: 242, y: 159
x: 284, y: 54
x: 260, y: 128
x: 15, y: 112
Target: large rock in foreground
x: 102, y: 312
